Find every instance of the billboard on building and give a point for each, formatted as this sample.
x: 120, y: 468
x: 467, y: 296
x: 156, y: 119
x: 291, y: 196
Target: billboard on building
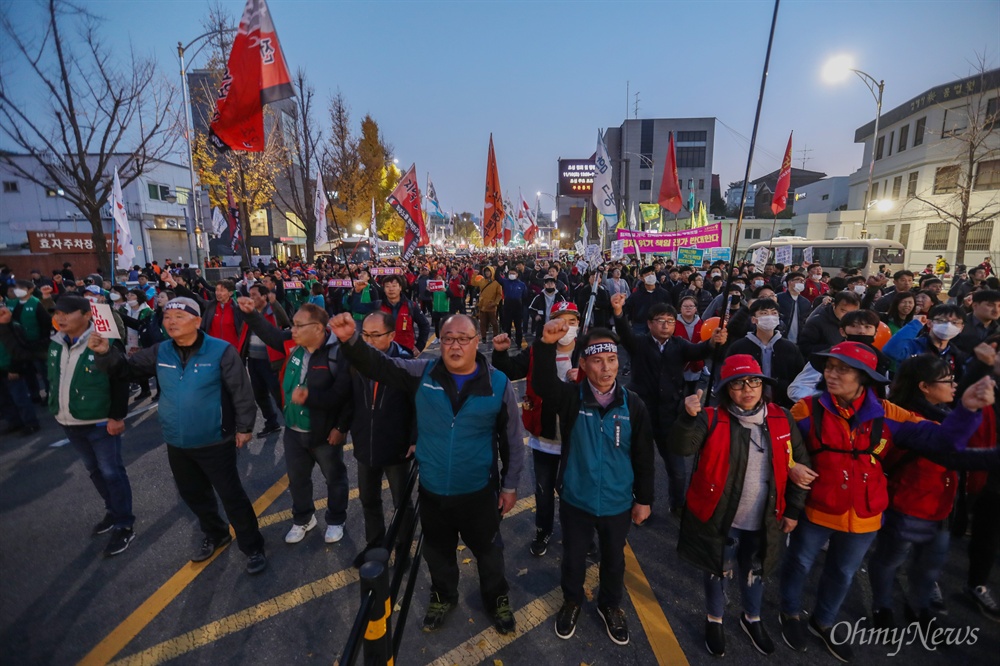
x: 576, y: 178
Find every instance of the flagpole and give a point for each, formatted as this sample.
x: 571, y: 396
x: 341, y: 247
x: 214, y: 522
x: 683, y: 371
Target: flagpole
x: 114, y: 238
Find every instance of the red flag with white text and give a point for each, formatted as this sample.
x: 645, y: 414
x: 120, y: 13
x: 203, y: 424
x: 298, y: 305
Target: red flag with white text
x: 670, y: 187
x: 780, y: 199
x: 256, y: 74
x: 493, y: 209
x: 405, y: 200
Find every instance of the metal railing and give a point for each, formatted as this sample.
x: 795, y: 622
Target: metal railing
x: 372, y: 632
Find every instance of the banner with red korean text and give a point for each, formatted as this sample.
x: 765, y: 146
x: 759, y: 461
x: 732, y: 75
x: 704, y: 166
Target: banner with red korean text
x: 405, y: 200
x: 669, y: 241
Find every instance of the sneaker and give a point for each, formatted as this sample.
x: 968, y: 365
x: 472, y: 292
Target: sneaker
x: 256, y: 563
x: 436, y: 612
x: 882, y: 618
x: 121, y: 537
x: 614, y: 622
x: 503, y: 616
x: 540, y: 545
x: 985, y: 602
x: 209, y: 546
x: 937, y: 600
x: 298, y: 532
x: 842, y: 652
x: 268, y: 429
x: 334, y: 533
x: 566, y: 619
x: 715, y: 638
x: 758, y: 636
x: 792, y: 632
x: 107, y: 522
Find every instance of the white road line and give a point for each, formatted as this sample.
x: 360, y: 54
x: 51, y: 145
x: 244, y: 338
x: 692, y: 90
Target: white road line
x: 64, y: 442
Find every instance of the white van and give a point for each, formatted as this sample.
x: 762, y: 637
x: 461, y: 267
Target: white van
x: 866, y: 254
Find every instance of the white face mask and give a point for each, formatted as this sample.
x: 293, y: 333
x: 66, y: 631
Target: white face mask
x: 649, y: 279
x: 859, y: 289
x: 115, y: 296
x: 738, y: 285
x: 92, y: 299
x: 512, y: 276
x: 132, y: 302
x: 758, y: 283
x: 715, y: 275
x: 945, y: 331
x: 570, y: 336
x: 799, y: 286
x: 767, y: 322
x: 20, y: 293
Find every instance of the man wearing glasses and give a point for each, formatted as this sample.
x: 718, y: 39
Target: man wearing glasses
x: 316, y: 392
x: 467, y: 420
x: 658, y: 360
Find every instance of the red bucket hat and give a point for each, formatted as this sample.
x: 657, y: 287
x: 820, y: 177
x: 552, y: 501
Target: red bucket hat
x: 740, y: 365
x: 853, y: 354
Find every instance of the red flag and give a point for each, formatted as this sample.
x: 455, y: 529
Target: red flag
x: 255, y: 75
x: 405, y: 199
x: 780, y: 199
x: 529, y: 232
x: 493, y: 210
x: 670, y: 187
x: 233, y: 220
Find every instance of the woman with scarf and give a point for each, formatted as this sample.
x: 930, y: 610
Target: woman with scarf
x: 743, y: 495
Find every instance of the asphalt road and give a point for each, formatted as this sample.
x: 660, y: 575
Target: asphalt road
x: 61, y: 602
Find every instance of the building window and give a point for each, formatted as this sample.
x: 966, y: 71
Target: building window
x: 897, y: 186
x: 956, y: 121
x: 645, y: 185
x: 918, y: 131
x: 987, y: 176
x: 692, y: 136
x: 10, y: 187
x: 911, y: 185
x: 258, y: 223
x: 992, y: 113
x: 826, y: 197
x: 751, y: 234
x: 890, y: 229
x: 879, y: 146
x: 904, y: 234
x: 690, y: 158
x: 182, y: 193
x: 946, y: 179
x: 936, y: 237
x: 701, y: 183
x: 892, y: 138
x: 646, y: 161
x: 904, y: 134
x: 874, y: 192
x: 158, y: 192
x: 979, y: 237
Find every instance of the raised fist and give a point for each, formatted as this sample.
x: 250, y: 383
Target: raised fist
x: 501, y: 343
x: 554, y: 330
x: 617, y: 303
x: 343, y: 326
x: 245, y: 304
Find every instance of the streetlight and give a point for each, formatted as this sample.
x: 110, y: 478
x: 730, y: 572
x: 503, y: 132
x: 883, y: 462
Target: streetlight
x: 189, y: 127
x: 837, y: 69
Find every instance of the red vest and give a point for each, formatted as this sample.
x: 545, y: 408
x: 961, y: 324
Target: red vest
x: 922, y: 489
x: 404, y: 326
x: 848, y: 464
x: 709, y: 478
x: 223, y: 324
x: 272, y: 354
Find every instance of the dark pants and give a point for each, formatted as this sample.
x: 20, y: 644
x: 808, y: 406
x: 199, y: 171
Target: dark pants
x: 370, y: 494
x: 437, y: 318
x: 102, y: 456
x: 15, y: 402
x: 927, y: 554
x: 474, y: 517
x: 578, y: 533
x: 512, y: 314
x: 985, y: 541
x: 546, y: 471
x: 456, y: 305
x: 197, y: 473
x: 265, y: 388
x: 300, y: 459
x: 743, y: 549
x: 37, y: 369
x: 679, y: 468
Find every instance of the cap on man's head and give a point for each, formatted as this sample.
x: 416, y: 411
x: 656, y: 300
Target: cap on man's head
x: 72, y: 303
x: 93, y: 289
x: 185, y: 304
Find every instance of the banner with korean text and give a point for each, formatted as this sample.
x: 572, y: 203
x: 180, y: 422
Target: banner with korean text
x: 669, y: 241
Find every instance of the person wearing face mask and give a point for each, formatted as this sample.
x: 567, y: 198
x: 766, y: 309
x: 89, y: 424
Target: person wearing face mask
x: 647, y: 294
x: 793, y: 308
x: 540, y: 419
x: 815, y: 287
x: 515, y: 295
x: 931, y: 334
x: 36, y: 323
x: 541, y: 305
x: 779, y: 359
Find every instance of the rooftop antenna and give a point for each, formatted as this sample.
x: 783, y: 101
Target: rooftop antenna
x: 805, y: 154
x: 636, y: 112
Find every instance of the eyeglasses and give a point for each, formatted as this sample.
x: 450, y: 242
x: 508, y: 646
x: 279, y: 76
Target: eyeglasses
x: 664, y: 322
x: 294, y: 326
x: 838, y: 369
x: 375, y: 336
x: 453, y: 340
x: 746, y: 382
x: 945, y: 380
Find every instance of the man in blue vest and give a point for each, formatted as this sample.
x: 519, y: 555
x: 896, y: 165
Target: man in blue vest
x: 461, y: 488
x: 207, y: 412
x: 605, y: 473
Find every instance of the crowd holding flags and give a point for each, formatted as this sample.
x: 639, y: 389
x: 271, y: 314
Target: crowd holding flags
x: 124, y: 247
x: 319, y: 209
x: 493, y: 208
x: 405, y: 199
x: 256, y: 74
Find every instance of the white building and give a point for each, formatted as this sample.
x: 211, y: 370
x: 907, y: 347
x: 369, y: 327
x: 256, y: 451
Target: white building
x: 823, y: 196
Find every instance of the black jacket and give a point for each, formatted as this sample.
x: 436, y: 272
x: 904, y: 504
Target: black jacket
x: 786, y: 364
x: 516, y: 367
x: 821, y: 332
x: 639, y: 301
x: 787, y: 306
x: 602, y: 305
x: 382, y: 417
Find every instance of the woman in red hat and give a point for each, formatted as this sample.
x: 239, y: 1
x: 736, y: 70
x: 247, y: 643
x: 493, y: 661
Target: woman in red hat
x: 849, y: 430
x: 740, y: 500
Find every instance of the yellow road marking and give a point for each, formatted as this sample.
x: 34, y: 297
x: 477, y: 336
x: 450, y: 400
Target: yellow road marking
x: 281, y: 516
x: 661, y: 636
x: 123, y: 634
x: 240, y: 620
x: 488, y: 642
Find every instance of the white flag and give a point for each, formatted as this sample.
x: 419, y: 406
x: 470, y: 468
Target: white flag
x: 218, y: 222
x: 125, y: 250
x: 631, y: 219
x: 373, y: 232
x: 604, y: 193
x: 319, y: 209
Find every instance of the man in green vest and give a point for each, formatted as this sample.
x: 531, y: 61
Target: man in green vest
x: 90, y: 404
x: 37, y: 325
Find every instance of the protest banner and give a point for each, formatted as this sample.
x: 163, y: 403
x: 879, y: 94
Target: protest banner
x: 435, y: 285
x: 340, y: 283
x: 104, y: 321
x: 690, y: 256
x: 386, y: 270
x: 668, y: 241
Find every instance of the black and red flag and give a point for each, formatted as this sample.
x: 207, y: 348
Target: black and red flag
x: 255, y: 75
x: 405, y: 200
x: 233, y: 221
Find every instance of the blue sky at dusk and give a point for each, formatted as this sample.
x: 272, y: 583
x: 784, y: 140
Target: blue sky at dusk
x: 543, y: 76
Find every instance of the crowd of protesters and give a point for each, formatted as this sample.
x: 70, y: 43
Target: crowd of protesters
x: 795, y: 408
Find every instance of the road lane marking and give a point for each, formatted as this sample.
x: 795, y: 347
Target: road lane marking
x: 64, y: 442
x: 281, y: 516
x: 485, y: 644
x: 140, y: 618
x: 661, y: 636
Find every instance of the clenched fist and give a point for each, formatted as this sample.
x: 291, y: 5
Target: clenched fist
x: 501, y: 343
x: 343, y: 326
x: 617, y: 303
x: 97, y: 344
x: 979, y: 395
x: 554, y: 330
x: 245, y: 304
